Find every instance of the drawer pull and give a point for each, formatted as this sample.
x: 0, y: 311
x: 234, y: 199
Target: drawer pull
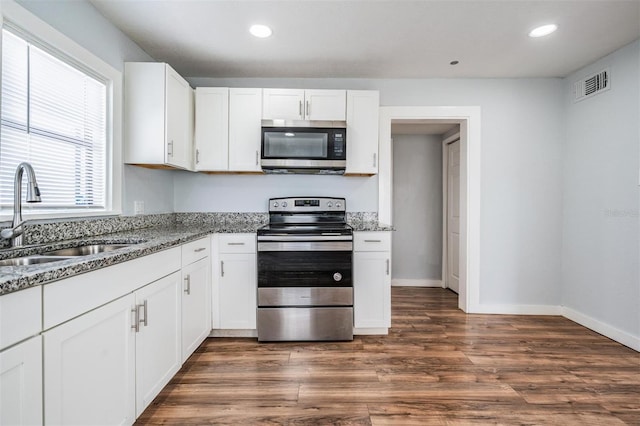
x: 372, y: 241
x: 235, y: 244
x: 222, y: 268
x: 198, y: 250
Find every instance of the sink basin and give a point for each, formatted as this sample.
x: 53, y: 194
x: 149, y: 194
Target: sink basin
x: 31, y: 260
x: 86, y: 250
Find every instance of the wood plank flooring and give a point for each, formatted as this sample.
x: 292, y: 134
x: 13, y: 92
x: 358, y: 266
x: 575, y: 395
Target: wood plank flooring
x: 437, y: 366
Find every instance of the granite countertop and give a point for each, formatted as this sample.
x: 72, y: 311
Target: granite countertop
x: 371, y: 226
x: 144, y: 241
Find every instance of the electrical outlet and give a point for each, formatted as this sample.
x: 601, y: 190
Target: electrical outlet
x: 138, y: 207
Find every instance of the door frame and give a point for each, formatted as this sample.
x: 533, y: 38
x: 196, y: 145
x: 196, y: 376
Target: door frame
x: 470, y: 141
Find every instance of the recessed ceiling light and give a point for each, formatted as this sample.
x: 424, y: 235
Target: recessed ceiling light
x: 543, y: 30
x: 260, y: 31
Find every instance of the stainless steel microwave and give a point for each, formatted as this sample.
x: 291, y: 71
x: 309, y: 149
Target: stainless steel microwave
x: 319, y: 150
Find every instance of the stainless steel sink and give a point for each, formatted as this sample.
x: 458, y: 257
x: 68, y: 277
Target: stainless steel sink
x: 86, y: 250
x: 32, y: 260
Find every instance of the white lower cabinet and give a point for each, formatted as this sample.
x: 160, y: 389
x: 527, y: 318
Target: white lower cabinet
x: 106, y: 366
x: 196, y: 305
x: 21, y: 383
x: 89, y: 368
x: 235, y: 282
x: 372, y: 280
x: 159, y: 339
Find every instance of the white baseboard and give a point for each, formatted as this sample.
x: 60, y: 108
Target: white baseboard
x: 403, y: 282
x: 516, y: 309
x: 370, y: 331
x: 233, y: 333
x: 605, y: 329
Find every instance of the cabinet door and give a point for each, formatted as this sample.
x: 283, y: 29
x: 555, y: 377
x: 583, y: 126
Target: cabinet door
x: 159, y: 341
x: 89, y: 368
x: 212, y: 129
x: 283, y: 104
x: 325, y: 105
x: 245, y: 124
x: 21, y: 383
x: 178, y: 143
x: 196, y: 305
x: 237, y: 283
x: 362, y: 131
x: 371, y: 289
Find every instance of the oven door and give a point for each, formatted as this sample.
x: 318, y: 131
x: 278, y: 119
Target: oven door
x: 304, y: 264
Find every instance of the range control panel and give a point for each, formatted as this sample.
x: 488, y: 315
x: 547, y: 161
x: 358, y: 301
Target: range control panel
x: 307, y: 204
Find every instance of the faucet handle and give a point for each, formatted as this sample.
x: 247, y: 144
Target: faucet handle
x: 9, y: 233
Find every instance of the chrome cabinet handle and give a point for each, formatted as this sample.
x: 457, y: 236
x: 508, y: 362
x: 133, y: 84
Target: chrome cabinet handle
x: 198, y: 250
x: 374, y: 159
x: 144, y: 306
x: 136, y: 319
x: 387, y: 266
x: 170, y: 149
x: 235, y: 244
x: 187, y: 279
x: 222, y: 268
x: 308, y: 109
x: 197, y: 156
x: 300, y: 108
x: 257, y: 157
x: 372, y: 241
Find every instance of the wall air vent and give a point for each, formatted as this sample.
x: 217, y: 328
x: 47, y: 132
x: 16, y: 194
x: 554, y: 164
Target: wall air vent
x: 592, y: 85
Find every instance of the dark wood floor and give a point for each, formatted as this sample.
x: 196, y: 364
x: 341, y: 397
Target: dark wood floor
x: 437, y: 366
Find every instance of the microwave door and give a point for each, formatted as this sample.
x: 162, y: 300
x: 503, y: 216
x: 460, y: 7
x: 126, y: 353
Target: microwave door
x: 295, y: 144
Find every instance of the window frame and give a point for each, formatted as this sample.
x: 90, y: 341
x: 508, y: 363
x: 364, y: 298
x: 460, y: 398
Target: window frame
x: 53, y: 41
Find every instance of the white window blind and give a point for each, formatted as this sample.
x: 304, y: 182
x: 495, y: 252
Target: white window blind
x: 54, y: 116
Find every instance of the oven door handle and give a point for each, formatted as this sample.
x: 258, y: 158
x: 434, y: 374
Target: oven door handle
x: 305, y: 246
x: 331, y: 237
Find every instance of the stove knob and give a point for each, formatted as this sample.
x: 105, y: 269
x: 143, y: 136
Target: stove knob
x: 276, y: 204
x: 329, y: 204
x: 337, y: 276
x: 338, y: 205
x: 284, y: 204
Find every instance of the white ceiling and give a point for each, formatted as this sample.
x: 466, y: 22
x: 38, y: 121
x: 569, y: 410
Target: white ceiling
x: 375, y: 38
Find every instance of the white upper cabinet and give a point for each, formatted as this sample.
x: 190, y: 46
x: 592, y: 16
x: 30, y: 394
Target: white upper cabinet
x: 212, y: 129
x: 362, y: 131
x: 158, y: 116
x: 297, y: 104
x: 245, y: 128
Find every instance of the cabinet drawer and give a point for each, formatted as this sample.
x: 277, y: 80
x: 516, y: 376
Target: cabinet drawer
x: 195, y: 250
x: 237, y: 243
x: 372, y: 241
x: 20, y: 315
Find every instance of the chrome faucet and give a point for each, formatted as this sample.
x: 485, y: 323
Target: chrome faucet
x: 33, y: 196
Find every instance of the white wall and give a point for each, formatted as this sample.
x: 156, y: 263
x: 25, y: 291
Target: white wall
x: 522, y: 137
x: 250, y: 193
x: 417, y: 207
x: 600, y: 245
x: 81, y: 22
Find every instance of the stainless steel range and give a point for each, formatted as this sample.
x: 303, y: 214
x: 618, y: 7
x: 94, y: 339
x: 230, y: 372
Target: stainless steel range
x: 305, y: 288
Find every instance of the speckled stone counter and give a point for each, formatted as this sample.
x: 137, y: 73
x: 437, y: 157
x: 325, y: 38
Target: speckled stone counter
x: 147, y: 234
x: 169, y: 230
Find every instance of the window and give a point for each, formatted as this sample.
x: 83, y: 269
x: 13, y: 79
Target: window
x: 54, y: 117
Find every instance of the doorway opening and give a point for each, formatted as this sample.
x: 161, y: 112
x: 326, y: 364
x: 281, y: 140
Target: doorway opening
x: 425, y: 242
x: 467, y: 119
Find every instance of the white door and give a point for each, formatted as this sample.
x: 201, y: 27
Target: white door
x: 245, y: 126
x: 237, y: 291
x: 179, y: 146
x: 196, y: 305
x: 453, y: 216
x: 21, y: 384
x: 159, y: 340
x: 89, y: 368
